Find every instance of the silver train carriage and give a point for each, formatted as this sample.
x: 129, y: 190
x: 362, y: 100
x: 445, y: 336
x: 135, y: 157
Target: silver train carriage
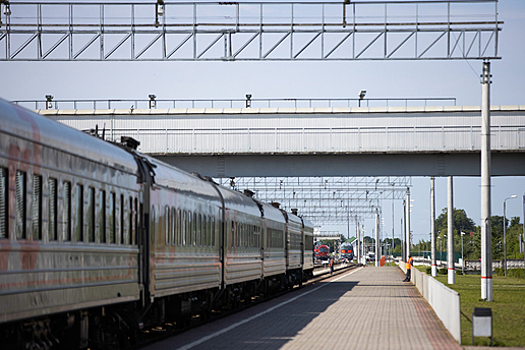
x: 68, y: 221
x: 98, y: 241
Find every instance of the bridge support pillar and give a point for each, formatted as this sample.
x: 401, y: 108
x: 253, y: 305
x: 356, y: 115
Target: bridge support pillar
x: 378, y: 243
x: 407, y: 226
x: 450, y: 232
x: 433, y: 226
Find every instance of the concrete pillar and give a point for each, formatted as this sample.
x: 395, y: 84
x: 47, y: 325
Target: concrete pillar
x: 433, y: 226
x: 378, y: 243
x: 356, y: 248
x: 486, y: 230
x: 450, y: 234
x: 407, y: 226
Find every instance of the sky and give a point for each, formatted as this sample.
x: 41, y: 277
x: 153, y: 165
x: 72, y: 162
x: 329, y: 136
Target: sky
x: 314, y: 79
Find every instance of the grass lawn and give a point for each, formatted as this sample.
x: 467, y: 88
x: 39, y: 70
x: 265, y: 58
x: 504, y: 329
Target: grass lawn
x: 508, y: 308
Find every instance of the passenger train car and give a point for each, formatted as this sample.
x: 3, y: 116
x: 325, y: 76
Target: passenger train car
x: 98, y: 241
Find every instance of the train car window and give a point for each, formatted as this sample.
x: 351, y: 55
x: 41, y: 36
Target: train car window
x: 37, y: 207
x: 241, y: 234
x: 136, y: 223
x: 179, y: 228
x: 131, y: 229
x: 173, y: 225
x: 139, y: 219
x: 206, y: 229
x: 184, y: 232
x: 210, y: 232
x: 80, y: 213
x: 166, y: 224
x: 189, y: 230
x: 20, y: 205
x: 67, y: 212
x: 112, y: 217
x: 53, y: 215
x: 237, y: 234
x: 195, y: 226
x: 308, y: 243
x: 102, y: 216
x: 153, y: 225
x: 200, y: 231
x: 213, y: 231
x: 245, y: 235
x: 122, y: 229
x: 3, y: 203
x: 91, y: 215
x: 234, y: 241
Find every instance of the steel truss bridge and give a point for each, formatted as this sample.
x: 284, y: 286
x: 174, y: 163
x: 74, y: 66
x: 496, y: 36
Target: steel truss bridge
x: 228, y: 31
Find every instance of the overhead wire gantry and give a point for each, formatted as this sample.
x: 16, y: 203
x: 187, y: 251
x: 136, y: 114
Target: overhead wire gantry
x: 228, y: 31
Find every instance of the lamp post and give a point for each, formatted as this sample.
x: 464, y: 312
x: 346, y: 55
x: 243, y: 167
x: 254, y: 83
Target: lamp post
x: 443, y: 252
x: 505, y: 232
x: 462, y: 258
x: 439, y: 250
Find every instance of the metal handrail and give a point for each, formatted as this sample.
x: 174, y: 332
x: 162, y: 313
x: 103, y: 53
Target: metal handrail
x: 233, y: 103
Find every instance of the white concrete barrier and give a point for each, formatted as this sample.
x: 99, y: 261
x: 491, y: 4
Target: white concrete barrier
x: 444, y: 301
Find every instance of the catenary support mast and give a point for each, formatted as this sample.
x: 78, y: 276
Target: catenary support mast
x: 486, y: 234
x: 433, y: 226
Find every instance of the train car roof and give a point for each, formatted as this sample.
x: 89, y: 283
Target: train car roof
x: 272, y: 213
x: 167, y: 175
x: 24, y: 123
x: 295, y: 219
x: 307, y: 223
x: 237, y: 201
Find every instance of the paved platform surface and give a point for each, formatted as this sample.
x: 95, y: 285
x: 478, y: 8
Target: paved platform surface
x: 367, y: 308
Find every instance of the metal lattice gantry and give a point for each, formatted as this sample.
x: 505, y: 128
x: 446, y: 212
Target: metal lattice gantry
x: 186, y: 31
x: 325, y: 200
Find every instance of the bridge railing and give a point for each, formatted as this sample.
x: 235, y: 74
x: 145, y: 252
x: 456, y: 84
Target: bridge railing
x: 324, y: 140
x: 237, y: 103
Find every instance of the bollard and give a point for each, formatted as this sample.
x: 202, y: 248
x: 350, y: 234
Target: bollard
x: 482, y: 323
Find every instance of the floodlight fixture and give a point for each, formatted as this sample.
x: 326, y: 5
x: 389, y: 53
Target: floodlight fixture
x: 152, y: 102
x: 362, y: 94
x: 160, y: 7
x: 7, y: 9
x: 49, y: 101
x: 159, y: 11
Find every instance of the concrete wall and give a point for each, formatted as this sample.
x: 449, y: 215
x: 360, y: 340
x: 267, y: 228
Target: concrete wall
x: 444, y: 301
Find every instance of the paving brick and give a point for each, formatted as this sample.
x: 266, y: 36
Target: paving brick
x: 370, y: 308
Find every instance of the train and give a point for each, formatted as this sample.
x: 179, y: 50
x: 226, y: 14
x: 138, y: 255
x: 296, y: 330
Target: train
x: 322, y: 252
x: 347, y: 251
x: 99, y: 241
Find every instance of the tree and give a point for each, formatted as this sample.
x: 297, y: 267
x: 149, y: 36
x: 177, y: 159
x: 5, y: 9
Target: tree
x: 497, y: 237
x: 513, y: 234
x: 462, y: 223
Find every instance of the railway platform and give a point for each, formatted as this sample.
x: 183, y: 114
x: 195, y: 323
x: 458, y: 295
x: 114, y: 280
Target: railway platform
x: 365, y: 308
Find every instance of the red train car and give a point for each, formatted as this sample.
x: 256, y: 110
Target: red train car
x: 322, y: 252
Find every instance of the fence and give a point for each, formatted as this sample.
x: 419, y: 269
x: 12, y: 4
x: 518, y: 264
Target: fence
x: 444, y: 301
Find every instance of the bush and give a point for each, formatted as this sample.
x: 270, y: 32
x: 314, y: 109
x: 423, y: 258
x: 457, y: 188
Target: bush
x: 443, y: 271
